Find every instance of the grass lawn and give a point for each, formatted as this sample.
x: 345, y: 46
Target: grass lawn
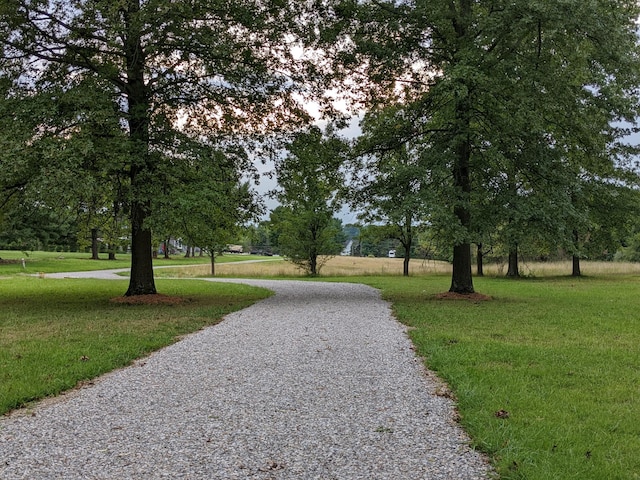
x: 560, y: 356
x: 48, y: 262
x: 56, y: 333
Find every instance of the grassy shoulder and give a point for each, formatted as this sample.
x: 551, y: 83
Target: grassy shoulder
x: 546, y: 374
x: 55, y: 334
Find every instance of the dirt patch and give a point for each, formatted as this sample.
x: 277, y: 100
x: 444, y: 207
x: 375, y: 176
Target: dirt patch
x: 471, y: 297
x: 153, y: 299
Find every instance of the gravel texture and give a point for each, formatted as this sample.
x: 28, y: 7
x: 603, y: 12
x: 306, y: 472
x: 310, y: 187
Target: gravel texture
x: 316, y: 382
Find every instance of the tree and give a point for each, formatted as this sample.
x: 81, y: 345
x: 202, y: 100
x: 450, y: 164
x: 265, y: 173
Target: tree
x: 33, y: 227
x: 482, y: 76
x: 394, y: 180
x: 630, y: 249
x: 376, y: 240
x: 101, y: 222
x: 260, y: 238
x: 215, y: 217
x: 309, y: 179
x: 208, y: 205
x: 21, y: 148
x: 176, y: 73
x: 611, y: 209
x: 310, y: 239
x: 65, y: 151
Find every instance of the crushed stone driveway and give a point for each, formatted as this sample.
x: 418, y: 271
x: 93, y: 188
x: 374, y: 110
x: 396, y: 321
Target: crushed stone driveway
x: 318, y: 381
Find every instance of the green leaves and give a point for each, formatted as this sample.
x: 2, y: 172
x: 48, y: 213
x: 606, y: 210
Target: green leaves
x: 142, y: 84
x: 310, y: 179
x: 518, y: 100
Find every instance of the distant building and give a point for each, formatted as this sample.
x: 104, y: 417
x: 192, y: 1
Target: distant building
x: 392, y: 254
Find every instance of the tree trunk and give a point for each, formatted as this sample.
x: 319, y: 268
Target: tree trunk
x: 407, y: 255
x: 405, y: 263
x: 112, y: 252
x: 576, y: 258
x: 313, y: 264
x: 407, y: 243
x: 576, y: 267
x: 188, y: 252
x: 141, y: 281
x: 94, y: 244
x: 480, y: 261
x: 461, y: 279
x: 141, y: 171
x: 213, y: 265
x: 513, y: 270
x: 314, y: 231
x: 166, y: 249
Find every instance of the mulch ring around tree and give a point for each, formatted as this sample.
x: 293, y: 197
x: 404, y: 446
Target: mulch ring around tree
x: 152, y: 299
x: 471, y: 297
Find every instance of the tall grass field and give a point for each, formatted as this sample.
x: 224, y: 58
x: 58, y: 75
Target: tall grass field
x: 545, y: 373
x: 277, y: 267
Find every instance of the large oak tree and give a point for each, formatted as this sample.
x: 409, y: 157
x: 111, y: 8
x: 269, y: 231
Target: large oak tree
x: 175, y: 72
x: 528, y: 87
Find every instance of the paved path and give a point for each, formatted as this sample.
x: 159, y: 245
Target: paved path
x: 316, y: 382
x: 114, y: 273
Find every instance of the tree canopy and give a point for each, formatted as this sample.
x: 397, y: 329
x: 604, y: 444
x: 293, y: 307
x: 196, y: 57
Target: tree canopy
x: 395, y: 180
x: 310, y: 178
x: 514, y: 111
x: 170, y: 75
x: 509, y: 95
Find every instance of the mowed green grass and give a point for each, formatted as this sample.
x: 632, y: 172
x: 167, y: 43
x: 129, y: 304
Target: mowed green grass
x: 57, y: 333
x: 561, y: 356
x: 49, y: 262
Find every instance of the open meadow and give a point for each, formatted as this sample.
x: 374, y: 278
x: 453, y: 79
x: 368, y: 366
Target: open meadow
x: 274, y: 267
x: 546, y: 373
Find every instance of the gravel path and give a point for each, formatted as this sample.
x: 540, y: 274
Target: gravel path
x: 316, y: 382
